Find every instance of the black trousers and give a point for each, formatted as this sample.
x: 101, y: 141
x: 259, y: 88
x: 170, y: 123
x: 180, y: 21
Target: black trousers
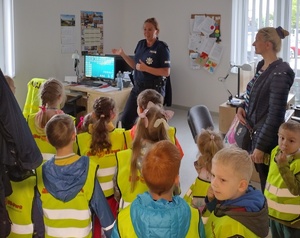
x: 129, y: 115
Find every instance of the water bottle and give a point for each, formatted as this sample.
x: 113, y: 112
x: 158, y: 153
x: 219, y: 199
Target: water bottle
x: 120, y: 80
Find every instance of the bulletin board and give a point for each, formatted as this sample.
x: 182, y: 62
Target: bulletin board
x: 205, y: 48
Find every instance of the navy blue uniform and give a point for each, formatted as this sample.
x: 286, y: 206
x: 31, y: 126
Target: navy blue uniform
x: 156, y: 56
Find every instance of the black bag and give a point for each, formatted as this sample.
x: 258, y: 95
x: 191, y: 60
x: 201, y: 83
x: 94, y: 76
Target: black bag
x: 243, y: 136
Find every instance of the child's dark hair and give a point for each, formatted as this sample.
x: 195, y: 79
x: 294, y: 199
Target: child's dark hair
x: 59, y: 130
x: 209, y: 143
x: 103, y: 108
x: 161, y: 167
x: 151, y: 127
x: 51, y: 92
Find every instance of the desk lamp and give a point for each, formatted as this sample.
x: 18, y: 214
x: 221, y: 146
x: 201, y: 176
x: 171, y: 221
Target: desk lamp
x: 76, y: 57
x: 235, y: 100
x: 245, y: 67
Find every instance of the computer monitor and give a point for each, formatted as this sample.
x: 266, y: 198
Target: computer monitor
x: 99, y: 67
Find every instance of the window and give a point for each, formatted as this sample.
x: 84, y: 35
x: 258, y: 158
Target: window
x: 262, y: 13
x: 7, y: 58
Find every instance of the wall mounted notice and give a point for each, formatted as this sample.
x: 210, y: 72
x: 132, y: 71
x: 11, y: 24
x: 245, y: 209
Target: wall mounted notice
x: 91, y: 33
x: 205, y: 49
x: 67, y: 24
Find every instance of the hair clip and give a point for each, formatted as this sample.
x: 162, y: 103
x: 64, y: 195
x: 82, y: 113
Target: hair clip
x: 212, y: 137
x: 43, y: 107
x: 142, y: 115
x: 168, y: 114
x: 280, y: 33
x: 161, y: 121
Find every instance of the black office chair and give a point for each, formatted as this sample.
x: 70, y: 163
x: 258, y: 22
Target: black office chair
x: 71, y: 106
x: 199, y: 118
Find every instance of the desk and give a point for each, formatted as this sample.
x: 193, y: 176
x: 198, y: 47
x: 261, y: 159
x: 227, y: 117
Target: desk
x: 90, y: 94
x: 227, y: 113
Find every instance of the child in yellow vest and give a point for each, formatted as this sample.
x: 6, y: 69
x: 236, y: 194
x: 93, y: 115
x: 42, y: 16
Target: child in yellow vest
x: 146, y: 96
x: 209, y: 143
x: 101, y: 143
x: 151, y: 127
x: 237, y: 209
x: 283, y: 182
x: 157, y: 213
x: 67, y: 186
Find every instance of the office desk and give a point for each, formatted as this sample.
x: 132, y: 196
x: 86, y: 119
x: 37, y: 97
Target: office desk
x: 90, y: 94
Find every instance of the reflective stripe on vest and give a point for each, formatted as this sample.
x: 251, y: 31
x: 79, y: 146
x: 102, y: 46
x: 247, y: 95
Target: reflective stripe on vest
x: 21, y: 229
x: 284, y: 208
x: 68, y: 232
x: 57, y: 214
x: 279, y: 192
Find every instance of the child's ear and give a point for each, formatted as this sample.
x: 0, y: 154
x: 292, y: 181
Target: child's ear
x: 243, y: 185
x: 177, y: 180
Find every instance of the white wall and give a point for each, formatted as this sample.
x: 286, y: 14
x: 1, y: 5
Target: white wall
x: 37, y: 41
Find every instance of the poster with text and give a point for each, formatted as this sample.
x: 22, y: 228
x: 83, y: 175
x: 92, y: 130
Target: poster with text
x: 91, y: 32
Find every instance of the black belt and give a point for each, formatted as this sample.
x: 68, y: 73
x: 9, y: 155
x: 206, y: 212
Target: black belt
x: 154, y: 83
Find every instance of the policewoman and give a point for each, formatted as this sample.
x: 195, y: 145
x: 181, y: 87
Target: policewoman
x: 151, y: 66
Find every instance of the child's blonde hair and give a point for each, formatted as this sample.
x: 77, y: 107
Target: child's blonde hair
x: 209, y: 143
x: 290, y: 125
x: 149, y: 95
x: 60, y: 130
x: 151, y: 127
x: 51, y: 92
x: 103, y: 108
x: 160, y: 166
x: 236, y: 158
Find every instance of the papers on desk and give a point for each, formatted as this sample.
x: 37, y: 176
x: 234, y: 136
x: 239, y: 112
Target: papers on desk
x: 106, y: 89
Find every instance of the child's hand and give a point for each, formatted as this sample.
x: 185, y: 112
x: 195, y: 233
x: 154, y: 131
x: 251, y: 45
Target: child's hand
x: 210, y: 194
x: 281, y: 157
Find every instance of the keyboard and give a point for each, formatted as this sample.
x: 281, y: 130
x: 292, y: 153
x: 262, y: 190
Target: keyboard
x: 91, y: 83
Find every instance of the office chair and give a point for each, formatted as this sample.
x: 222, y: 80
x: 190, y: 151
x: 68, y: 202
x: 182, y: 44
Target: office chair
x: 71, y: 106
x: 199, y: 118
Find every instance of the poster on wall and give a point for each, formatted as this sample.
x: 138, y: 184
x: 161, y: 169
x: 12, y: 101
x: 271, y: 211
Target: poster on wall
x: 67, y: 33
x: 205, y: 49
x: 91, y: 32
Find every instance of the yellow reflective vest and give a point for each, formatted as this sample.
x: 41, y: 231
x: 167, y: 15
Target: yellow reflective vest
x: 126, y: 229
x: 32, y: 101
x: 123, y: 179
x: 107, y: 160
x: 226, y: 226
x: 41, y: 139
x: 72, y: 218
x: 129, y: 134
x: 19, y: 208
x: 282, y: 205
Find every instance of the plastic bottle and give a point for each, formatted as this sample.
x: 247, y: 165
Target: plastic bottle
x: 120, y: 80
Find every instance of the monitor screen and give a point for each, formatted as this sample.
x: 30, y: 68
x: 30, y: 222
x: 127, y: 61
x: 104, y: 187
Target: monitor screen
x: 99, y: 67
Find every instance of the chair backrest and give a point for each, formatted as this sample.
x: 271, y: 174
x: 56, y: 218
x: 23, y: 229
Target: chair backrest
x: 32, y: 102
x: 198, y: 118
